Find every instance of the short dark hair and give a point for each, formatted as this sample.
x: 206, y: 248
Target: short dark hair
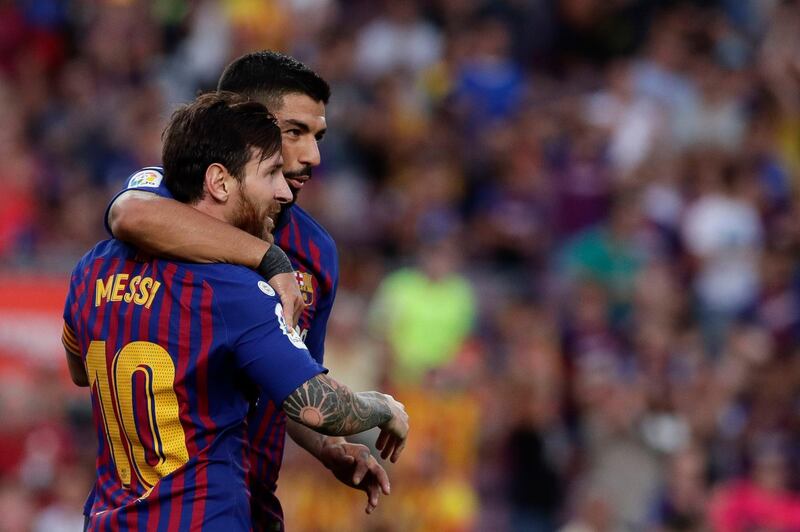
x: 269, y: 76
x: 221, y: 128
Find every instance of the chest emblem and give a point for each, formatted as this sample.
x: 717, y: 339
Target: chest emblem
x: 304, y: 281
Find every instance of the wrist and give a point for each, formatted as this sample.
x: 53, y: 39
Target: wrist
x: 257, y: 253
x: 326, y: 457
x: 274, y: 262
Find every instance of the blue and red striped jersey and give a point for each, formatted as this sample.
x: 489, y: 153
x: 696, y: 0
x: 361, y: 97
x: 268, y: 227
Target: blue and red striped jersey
x: 171, y: 350
x: 313, y: 254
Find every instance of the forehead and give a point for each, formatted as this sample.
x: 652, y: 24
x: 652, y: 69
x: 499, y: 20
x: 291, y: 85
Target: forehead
x: 303, y: 108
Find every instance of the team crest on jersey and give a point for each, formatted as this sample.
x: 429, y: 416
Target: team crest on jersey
x: 145, y: 178
x: 304, y: 280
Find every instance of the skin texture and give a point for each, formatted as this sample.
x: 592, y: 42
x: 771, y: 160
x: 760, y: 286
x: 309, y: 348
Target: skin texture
x: 332, y: 408
x: 351, y: 463
x: 251, y: 203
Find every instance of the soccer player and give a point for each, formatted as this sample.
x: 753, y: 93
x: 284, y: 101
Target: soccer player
x: 145, y: 215
x: 167, y: 346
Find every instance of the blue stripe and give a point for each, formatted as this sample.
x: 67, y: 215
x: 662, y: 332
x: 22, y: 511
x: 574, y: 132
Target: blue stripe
x: 188, y: 498
x: 164, y: 492
x: 193, y: 386
x: 143, y: 513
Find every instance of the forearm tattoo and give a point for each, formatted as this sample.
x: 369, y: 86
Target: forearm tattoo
x: 331, y: 408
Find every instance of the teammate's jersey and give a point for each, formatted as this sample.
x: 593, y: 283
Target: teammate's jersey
x: 170, y: 349
x: 312, y: 252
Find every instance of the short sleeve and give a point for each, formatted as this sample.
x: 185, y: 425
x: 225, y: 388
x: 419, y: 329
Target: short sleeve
x: 149, y: 179
x: 69, y: 337
x: 271, y: 354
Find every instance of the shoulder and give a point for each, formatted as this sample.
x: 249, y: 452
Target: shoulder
x: 105, y: 250
x: 233, y: 284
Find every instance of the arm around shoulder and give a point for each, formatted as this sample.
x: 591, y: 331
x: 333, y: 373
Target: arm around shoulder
x: 166, y: 227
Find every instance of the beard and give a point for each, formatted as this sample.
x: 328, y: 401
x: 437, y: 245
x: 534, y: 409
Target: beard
x: 249, y: 218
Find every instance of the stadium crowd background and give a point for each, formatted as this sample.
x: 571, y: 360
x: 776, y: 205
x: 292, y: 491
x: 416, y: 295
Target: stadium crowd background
x: 568, y: 233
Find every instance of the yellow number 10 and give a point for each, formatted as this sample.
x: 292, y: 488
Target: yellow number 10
x: 154, y: 366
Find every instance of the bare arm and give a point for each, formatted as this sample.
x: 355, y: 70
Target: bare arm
x: 329, y: 407
x: 310, y: 440
x: 77, y: 370
x: 165, y: 227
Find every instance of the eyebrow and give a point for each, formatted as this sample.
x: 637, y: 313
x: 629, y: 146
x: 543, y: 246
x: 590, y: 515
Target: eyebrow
x: 305, y: 129
x: 299, y: 124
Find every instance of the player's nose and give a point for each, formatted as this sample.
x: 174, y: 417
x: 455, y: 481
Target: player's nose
x: 310, y: 155
x: 283, y: 193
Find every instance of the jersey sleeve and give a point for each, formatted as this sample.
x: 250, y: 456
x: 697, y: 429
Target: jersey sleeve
x: 271, y: 354
x: 149, y: 179
x: 69, y: 337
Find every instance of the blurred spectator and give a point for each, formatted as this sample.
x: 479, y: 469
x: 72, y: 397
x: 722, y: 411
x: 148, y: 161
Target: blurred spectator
x: 424, y: 313
x: 762, y: 500
x: 398, y: 39
x: 723, y: 231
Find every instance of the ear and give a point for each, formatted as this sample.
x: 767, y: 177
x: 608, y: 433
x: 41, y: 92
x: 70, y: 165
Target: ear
x: 218, y: 182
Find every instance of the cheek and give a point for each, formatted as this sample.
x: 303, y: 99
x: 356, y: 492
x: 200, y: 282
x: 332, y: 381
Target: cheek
x: 290, y: 151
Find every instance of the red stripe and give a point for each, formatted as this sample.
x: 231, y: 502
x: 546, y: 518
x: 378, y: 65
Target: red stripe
x: 144, y: 332
x: 316, y: 263
x: 264, y: 424
x: 163, y: 340
x: 112, y: 336
x: 79, y: 290
x: 184, y: 353
x: 131, y: 517
x: 298, y: 240
x: 99, y: 318
x: 276, y: 443
x: 284, y: 243
x: 206, y: 331
x: 87, y: 304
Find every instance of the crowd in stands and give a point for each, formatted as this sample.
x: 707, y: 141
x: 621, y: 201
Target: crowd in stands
x: 569, y: 237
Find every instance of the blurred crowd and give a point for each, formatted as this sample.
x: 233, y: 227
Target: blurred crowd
x: 569, y: 238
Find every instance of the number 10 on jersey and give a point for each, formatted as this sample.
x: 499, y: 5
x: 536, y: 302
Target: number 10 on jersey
x: 139, y: 410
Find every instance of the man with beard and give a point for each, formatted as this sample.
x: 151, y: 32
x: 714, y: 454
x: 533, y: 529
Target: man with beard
x: 166, y: 346
x: 145, y: 215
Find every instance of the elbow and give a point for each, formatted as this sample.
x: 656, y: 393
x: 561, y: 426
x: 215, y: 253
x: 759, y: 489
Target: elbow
x: 130, y: 215
x: 124, y: 219
x: 80, y: 380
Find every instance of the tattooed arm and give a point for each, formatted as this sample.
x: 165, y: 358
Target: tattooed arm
x: 332, y: 408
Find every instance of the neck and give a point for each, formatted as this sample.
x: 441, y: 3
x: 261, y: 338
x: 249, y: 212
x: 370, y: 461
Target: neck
x: 213, y: 209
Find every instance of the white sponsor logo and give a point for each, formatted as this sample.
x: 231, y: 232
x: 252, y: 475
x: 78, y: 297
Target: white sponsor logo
x: 290, y: 333
x: 145, y: 178
x: 266, y: 288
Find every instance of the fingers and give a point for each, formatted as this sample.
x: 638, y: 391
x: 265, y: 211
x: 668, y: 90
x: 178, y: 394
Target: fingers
x: 383, y: 438
x: 298, y: 310
x: 381, y: 477
x: 362, y: 466
x: 289, y: 313
x: 387, y: 450
x: 397, y: 450
x: 373, y: 494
